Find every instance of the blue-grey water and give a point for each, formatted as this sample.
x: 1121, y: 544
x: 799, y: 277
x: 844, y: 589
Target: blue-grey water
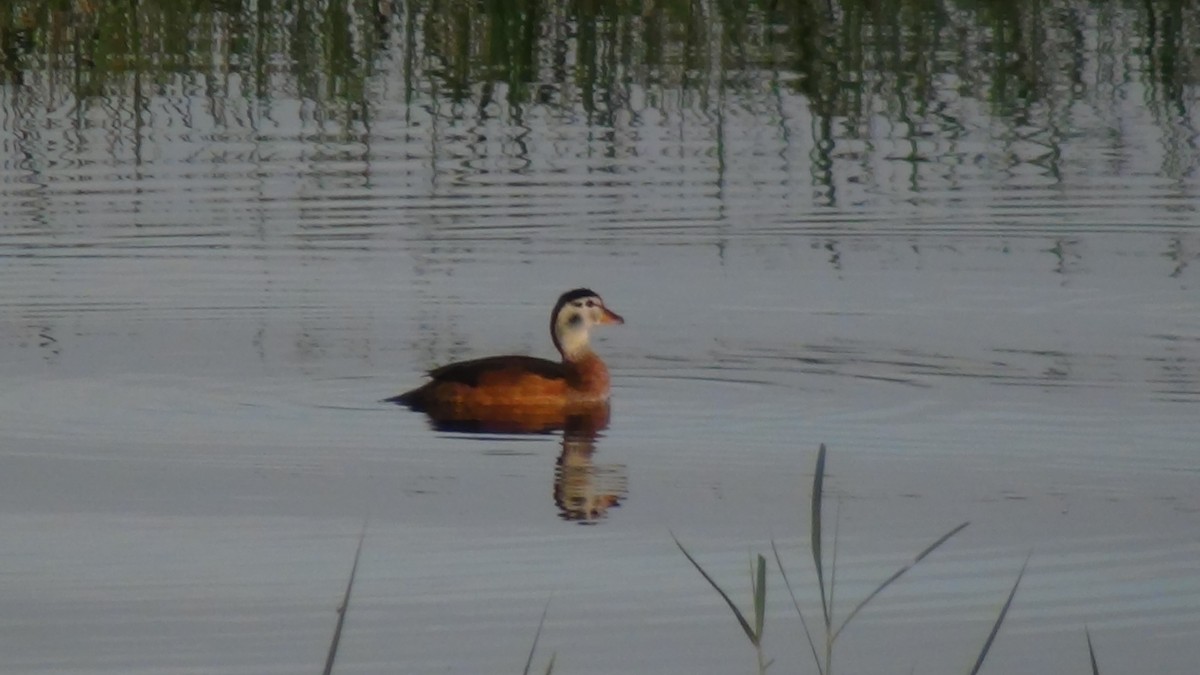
x: 987, y: 315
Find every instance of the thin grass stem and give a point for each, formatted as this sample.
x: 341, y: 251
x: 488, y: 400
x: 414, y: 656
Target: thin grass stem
x: 737, y: 613
x: 898, y: 573
x: 760, y: 598
x: 795, y: 603
x: 833, y: 568
x: 815, y: 523
x: 536, y: 635
x: 331, y: 656
x: 1091, y: 651
x: 760, y: 612
x: 1000, y: 619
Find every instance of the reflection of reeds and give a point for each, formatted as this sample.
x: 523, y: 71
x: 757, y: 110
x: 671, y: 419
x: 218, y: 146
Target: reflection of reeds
x: 323, y: 52
x: 827, y: 587
x: 936, y: 73
x: 843, y: 56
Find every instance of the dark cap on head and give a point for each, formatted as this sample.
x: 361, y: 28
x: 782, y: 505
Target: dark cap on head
x: 563, y: 299
x: 575, y: 295
x: 568, y: 297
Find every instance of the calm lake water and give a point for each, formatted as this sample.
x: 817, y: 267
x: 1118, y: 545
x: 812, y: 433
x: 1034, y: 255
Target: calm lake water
x: 960, y: 249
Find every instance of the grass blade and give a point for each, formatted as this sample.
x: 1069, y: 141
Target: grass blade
x: 1000, y: 619
x: 818, y: 485
x: 342, y: 609
x: 796, y: 603
x: 760, y: 597
x: 736, y: 612
x: 1091, y: 652
x: 900, y: 572
x: 536, y: 635
x: 833, y: 555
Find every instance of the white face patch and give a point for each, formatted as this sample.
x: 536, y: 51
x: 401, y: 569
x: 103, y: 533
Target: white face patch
x: 591, y: 308
x: 574, y: 321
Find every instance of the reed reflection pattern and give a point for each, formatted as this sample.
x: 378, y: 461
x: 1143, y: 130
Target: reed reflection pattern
x: 872, y: 97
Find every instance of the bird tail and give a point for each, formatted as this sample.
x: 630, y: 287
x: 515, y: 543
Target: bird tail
x: 411, y: 399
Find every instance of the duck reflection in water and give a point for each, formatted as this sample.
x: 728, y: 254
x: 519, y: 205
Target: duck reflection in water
x: 583, y: 490
x: 522, y: 394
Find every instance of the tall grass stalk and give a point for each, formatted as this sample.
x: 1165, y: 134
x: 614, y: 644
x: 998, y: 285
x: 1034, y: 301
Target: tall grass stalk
x: 533, y: 647
x: 827, y: 585
x: 833, y: 629
x: 1091, y: 651
x: 803, y: 623
x: 1000, y: 619
x: 331, y: 656
x: 758, y: 580
x: 815, y: 527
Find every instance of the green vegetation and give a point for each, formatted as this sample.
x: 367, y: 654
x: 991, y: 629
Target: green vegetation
x: 754, y: 630
x: 343, y: 609
x: 824, y: 661
x: 758, y: 576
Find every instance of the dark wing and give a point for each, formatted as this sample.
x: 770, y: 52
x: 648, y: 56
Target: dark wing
x: 469, y: 372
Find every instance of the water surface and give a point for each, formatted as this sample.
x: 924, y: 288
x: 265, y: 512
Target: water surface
x: 959, y: 250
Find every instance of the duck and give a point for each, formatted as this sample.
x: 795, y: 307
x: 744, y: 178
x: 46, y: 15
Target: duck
x: 479, y: 387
